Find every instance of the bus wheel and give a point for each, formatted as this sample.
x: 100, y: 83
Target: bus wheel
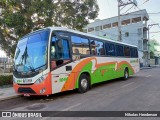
x: 126, y: 74
x: 83, y: 83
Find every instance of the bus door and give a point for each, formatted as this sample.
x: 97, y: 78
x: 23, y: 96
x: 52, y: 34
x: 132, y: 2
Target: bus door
x: 61, y: 63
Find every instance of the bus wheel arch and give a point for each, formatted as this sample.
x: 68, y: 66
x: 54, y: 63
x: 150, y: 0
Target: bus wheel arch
x: 126, y: 73
x: 84, y: 82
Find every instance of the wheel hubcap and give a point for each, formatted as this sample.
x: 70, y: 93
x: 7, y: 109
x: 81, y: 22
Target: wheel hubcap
x: 126, y: 74
x: 84, y: 83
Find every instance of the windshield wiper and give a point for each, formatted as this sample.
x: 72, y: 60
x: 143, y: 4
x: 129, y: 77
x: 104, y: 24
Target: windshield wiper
x: 23, y: 60
x: 34, y: 69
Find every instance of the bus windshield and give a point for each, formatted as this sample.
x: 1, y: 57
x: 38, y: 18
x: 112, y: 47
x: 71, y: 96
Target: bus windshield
x: 31, y: 52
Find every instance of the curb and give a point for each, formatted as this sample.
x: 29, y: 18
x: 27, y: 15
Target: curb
x: 146, y: 68
x: 149, y: 67
x: 9, y: 97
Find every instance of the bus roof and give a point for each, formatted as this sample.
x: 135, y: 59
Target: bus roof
x: 85, y: 34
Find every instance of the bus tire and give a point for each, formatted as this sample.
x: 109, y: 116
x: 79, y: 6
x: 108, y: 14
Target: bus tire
x: 126, y: 74
x: 83, y: 83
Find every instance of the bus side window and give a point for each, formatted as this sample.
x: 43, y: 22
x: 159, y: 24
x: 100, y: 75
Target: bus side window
x: 80, y: 45
x: 97, y: 47
x: 110, y: 49
x: 76, y: 51
x: 60, y: 52
x: 53, y: 52
x: 87, y: 52
x: 76, y: 54
x: 93, y: 52
x: 119, y: 50
x: 126, y: 51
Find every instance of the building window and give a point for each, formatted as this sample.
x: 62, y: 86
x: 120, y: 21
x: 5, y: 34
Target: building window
x: 125, y: 22
x: 139, y: 31
x: 145, y: 18
x: 136, y: 20
x: 140, y: 44
x: 85, y: 30
x: 115, y: 24
x: 126, y: 34
x: 97, y: 47
x: 106, y: 26
x: 97, y: 28
x: 91, y: 29
x: 100, y: 27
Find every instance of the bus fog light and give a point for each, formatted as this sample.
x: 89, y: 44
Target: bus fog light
x: 39, y: 80
x: 42, y: 90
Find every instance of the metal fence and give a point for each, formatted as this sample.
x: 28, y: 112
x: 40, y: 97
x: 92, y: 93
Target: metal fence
x: 6, y: 65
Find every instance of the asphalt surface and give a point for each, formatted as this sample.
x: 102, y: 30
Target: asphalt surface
x: 140, y: 93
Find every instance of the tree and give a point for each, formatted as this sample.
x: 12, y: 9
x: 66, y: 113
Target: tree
x: 152, y: 46
x: 152, y: 55
x: 19, y: 17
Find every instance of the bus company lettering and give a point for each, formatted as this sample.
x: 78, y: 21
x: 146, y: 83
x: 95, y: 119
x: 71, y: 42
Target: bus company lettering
x: 63, y: 79
x: 134, y: 61
x: 19, y: 81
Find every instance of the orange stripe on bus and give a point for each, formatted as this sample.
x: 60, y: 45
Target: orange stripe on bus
x: 70, y: 83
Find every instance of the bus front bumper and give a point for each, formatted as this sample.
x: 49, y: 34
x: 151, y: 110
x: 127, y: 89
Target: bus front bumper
x: 44, y: 88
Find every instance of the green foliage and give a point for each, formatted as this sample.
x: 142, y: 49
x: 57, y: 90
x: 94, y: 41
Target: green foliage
x: 152, y: 46
x: 19, y: 17
x: 6, y: 80
x: 152, y: 55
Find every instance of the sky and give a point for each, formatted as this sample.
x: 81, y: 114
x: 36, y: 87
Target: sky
x: 2, y: 53
x: 108, y: 8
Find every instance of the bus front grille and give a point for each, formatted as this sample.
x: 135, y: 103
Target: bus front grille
x: 26, y: 90
x: 26, y: 84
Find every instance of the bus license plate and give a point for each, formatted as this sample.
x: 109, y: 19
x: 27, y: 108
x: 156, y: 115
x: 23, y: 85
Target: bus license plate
x: 27, y: 95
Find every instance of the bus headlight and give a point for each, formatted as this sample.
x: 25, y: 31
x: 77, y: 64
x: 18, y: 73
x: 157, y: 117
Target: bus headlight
x: 40, y: 80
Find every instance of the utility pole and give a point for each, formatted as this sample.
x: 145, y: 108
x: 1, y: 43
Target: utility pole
x: 149, y: 57
x: 122, y: 3
x: 119, y: 23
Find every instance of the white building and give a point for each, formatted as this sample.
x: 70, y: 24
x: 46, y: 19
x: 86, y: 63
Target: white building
x: 133, y: 29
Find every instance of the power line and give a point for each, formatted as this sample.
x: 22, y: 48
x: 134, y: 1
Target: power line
x: 122, y: 4
x: 155, y: 32
x: 144, y: 2
x: 151, y: 13
x: 143, y: 14
x: 128, y: 9
x: 155, y: 13
x: 153, y: 20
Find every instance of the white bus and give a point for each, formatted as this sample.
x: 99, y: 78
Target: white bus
x: 56, y: 59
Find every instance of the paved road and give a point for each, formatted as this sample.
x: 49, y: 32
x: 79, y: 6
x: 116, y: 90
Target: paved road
x: 140, y: 93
